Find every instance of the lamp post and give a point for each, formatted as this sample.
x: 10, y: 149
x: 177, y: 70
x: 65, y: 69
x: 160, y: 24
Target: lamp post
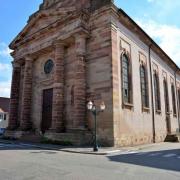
x: 95, y: 111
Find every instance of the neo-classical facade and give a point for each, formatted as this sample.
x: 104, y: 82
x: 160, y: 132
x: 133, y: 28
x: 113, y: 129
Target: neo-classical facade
x: 73, y: 51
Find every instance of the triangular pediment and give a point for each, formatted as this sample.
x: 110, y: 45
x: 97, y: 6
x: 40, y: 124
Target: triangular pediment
x: 41, y: 20
x: 51, y: 11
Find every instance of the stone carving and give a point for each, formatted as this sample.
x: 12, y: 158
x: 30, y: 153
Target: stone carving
x: 47, y: 3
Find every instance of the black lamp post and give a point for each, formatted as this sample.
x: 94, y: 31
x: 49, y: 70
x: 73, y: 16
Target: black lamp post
x: 95, y: 111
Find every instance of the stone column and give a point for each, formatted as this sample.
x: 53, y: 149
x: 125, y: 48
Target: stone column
x: 14, y: 101
x: 26, y: 123
x: 58, y: 90
x: 80, y: 83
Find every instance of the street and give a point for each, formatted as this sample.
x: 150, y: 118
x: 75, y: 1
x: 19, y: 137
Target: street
x: 21, y: 162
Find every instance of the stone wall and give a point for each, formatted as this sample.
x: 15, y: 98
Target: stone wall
x: 132, y: 125
x: 86, y: 47
x: 99, y: 86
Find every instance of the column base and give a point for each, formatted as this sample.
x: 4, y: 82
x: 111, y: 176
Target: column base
x: 26, y: 136
x: 9, y: 128
x: 25, y: 127
x: 77, y: 137
x: 13, y: 134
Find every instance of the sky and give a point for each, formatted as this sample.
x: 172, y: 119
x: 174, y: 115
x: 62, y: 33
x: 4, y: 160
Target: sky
x: 159, y: 18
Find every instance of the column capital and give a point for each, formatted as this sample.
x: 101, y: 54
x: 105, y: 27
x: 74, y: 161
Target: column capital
x: 82, y: 34
x: 80, y: 43
x: 59, y: 43
x: 15, y: 64
x: 28, y: 58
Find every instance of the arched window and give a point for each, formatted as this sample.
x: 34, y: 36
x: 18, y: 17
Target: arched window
x: 179, y: 100
x: 173, y: 99
x: 126, y: 79
x: 72, y: 95
x: 166, y: 96
x: 157, y: 92
x: 144, y: 87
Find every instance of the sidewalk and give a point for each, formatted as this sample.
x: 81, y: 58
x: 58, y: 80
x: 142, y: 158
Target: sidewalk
x: 89, y: 150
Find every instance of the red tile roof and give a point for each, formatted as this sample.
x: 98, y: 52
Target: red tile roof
x: 4, y: 104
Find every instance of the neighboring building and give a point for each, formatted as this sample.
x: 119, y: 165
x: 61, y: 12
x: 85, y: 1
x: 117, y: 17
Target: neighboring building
x: 73, y: 51
x: 4, y: 113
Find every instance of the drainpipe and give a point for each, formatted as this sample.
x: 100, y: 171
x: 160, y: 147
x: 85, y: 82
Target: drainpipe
x: 177, y: 97
x: 152, y: 96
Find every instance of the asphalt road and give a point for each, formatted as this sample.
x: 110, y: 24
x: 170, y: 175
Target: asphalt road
x: 18, y: 162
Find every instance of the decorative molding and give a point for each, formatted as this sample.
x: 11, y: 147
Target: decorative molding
x: 155, y: 68
x: 142, y: 59
x: 172, y: 80
x: 164, y: 75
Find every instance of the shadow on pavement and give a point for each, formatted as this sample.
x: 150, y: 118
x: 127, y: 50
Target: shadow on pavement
x: 18, y: 146
x: 166, y: 159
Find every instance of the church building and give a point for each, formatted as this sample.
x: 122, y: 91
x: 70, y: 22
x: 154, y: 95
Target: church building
x: 75, y: 51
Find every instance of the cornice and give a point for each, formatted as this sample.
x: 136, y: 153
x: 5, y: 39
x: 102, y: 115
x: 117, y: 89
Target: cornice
x: 65, y: 15
x: 130, y: 24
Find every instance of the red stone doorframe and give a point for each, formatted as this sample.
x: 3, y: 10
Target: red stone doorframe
x: 46, y: 110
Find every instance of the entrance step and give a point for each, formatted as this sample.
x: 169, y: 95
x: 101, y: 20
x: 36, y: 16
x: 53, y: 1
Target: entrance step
x: 27, y: 136
x: 31, y: 138
x: 74, y: 137
x: 172, y: 138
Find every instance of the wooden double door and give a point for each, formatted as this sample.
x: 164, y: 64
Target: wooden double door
x: 47, y: 110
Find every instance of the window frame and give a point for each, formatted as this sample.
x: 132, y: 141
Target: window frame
x: 126, y: 104
x: 145, y: 104
x: 179, y: 100
x: 166, y: 96
x: 173, y: 95
x: 157, y: 94
x: 5, y: 117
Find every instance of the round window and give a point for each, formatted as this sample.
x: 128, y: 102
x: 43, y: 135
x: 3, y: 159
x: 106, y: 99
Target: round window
x: 48, y: 67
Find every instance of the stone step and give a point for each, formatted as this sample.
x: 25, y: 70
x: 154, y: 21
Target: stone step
x: 74, y: 138
x: 23, y: 136
x: 31, y: 138
x: 172, y: 138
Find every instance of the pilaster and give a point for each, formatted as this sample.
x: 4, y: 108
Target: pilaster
x: 26, y: 123
x: 80, y: 83
x: 14, y: 100
x: 58, y: 90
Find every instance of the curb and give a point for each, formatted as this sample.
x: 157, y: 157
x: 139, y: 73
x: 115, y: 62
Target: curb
x: 71, y: 151
x: 62, y: 150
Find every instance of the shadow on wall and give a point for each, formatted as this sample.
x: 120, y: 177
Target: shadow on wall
x: 166, y: 159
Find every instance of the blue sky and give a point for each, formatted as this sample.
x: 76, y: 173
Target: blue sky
x: 159, y: 18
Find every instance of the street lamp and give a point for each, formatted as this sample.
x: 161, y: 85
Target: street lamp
x: 95, y: 111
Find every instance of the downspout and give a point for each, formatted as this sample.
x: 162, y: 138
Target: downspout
x: 177, y: 97
x: 152, y: 96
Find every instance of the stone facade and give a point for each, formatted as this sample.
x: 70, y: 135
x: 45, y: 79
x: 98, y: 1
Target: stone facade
x: 85, y: 41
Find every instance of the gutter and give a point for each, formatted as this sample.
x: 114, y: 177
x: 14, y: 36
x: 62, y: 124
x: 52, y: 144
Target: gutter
x: 152, y: 96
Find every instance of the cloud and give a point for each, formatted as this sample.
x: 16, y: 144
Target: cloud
x: 5, y: 70
x: 168, y: 37
x: 5, y: 89
x: 4, y: 50
x: 5, y: 67
x: 165, y: 7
